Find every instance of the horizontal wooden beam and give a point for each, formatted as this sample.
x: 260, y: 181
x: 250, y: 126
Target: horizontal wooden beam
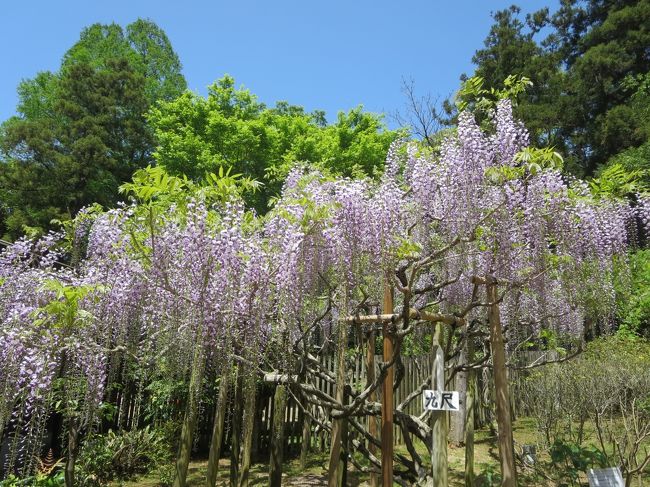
x: 277, y: 378
x: 414, y: 314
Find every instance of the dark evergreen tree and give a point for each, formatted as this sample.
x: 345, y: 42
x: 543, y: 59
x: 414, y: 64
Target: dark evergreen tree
x: 587, y: 73
x: 80, y: 132
x: 92, y: 141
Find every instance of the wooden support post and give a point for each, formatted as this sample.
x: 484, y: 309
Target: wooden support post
x: 335, y: 469
x: 457, y: 420
x: 387, y: 405
x: 277, y: 436
x: 217, y: 429
x: 236, y: 430
x: 305, y: 442
x: 305, y: 438
x: 469, y: 416
x: 345, y: 447
x: 502, y: 397
x: 372, y: 421
x: 73, y: 446
x: 439, y: 465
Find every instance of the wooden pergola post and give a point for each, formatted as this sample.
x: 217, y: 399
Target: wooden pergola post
x: 387, y: 404
x: 439, y: 429
x: 217, y: 432
x: 372, y: 421
x: 387, y: 319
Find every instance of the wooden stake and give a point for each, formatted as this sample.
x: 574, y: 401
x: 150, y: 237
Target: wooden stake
x: 305, y: 442
x: 187, y: 433
x: 235, y: 440
x: 345, y: 446
x: 336, y: 466
x: 73, y: 446
x: 502, y: 397
x: 372, y: 420
x: 457, y: 420
x: 469, y: 416
x: 387, y: 405
x: 439, y: 465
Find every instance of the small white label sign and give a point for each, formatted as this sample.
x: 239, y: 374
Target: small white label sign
x: 606, y: 477
x: 441, y: 400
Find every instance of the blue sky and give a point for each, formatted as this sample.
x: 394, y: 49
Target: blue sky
x: 330, y: 55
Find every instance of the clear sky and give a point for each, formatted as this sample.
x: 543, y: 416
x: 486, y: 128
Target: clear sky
x: 330, y: 55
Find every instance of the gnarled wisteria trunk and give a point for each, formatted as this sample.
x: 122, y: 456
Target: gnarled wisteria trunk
x: 502, y: 396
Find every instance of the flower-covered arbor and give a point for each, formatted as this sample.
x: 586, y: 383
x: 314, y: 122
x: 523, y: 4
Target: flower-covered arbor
x: 186, y: 283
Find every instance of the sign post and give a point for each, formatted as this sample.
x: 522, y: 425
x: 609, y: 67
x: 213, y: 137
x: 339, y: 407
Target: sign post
x: 439, y: 462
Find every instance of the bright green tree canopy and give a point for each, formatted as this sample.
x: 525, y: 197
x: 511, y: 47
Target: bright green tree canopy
x: 231, y: 128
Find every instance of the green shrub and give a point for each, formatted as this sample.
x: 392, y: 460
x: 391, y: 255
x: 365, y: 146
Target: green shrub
x: 38, y: 480
x: 571, y: 459
x: 121, y: 456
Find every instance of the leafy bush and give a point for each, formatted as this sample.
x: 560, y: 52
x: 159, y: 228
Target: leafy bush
x: 609, y: 386
x: 489, y: 476
x: 38, y: 480
x: 634, y: 300
x: 571, y: 459
x: 121, y: 455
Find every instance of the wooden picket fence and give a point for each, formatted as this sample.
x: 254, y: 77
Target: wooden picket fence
x: 416, y: 370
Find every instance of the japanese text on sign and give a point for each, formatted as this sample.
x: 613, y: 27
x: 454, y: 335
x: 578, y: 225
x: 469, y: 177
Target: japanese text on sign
x: 441, y: 400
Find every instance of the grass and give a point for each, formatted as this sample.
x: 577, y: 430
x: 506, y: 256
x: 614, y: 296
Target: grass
x: 486, y: 465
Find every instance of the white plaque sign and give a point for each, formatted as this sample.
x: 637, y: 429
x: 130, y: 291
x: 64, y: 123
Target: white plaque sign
x: 441, y: 400
x: 605, y: 477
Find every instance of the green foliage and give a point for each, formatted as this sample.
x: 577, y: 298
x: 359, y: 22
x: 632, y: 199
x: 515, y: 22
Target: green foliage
x: 570, y: 460
x: 37, y: 96
x: 615, y: 181
x: 121, y: 456
x: 232, y: 129
x: 153, y: 183
x: 164, y: 397
x: 489, y: 476
x: 407, y: 249
x: 38, y: 480
x: 96, y: 137
x: 530, y: 161
x: 415, y: 344
x: 589, y: 74
x: 63, y: 310
x: 81, y: 131
x: 143, y: 44
x: 156, y: 190
x: 634, y: 302
x: 535, y: 159
x: 475, y: 96
x: 635, y: 159
x: 563, y: 397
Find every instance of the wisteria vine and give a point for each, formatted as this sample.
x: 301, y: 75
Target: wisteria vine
x: 191, y: 285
